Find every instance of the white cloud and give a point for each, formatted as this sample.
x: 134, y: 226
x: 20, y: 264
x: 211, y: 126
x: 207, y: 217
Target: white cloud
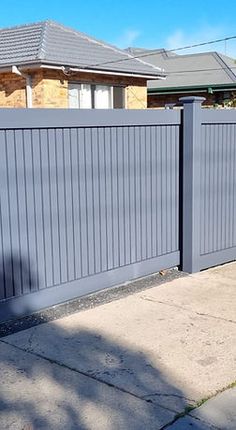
x: 182, y: 38
x: 127, y: 38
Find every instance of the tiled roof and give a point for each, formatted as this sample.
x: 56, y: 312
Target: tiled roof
x: 51, y: 43
x: 208, y: 68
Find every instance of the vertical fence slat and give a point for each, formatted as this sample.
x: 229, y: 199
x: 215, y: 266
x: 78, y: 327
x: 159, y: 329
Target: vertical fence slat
x: 46, y: 208
x: 137, y: 179
x: 114, y: 192
x: 89, y: 200
x: 153, y: 193
x: 83, y: 203
x: 149, y: 208
x: 5, y: 212
x: 54, y: 206
x: 76, y: 203
x: 14, y: 211
x: 61, y: 205
x: 158, y: 195
x: 68, y: 204
x: 37, y: 172
x: 126, y: 192
x: 30, y: 205
x: 23, y: 213
x: 108, y: 175
x: 120, y: 173
x: 2, y: 268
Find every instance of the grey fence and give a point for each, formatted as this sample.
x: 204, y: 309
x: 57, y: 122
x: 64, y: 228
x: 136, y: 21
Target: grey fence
x: 89, y: 199
x: 209, y: 184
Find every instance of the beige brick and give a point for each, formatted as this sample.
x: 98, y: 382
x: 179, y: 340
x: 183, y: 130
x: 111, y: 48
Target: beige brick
x: 12, y: 91
x: 136, y: 97
x: 50, y: 88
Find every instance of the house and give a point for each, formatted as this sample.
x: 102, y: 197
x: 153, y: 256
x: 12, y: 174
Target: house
x: 209, y: 74
x: 48, y: 65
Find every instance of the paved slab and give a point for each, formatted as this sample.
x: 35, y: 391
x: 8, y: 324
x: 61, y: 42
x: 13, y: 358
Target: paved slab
x: 211, y: 292
x: 189, y: 423
x: 148, y: 344
x: 171, y: 345
x: 36, y: 394
x: 219, y: 411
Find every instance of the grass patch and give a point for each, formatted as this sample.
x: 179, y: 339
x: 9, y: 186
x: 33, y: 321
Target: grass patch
x: 205, y: 399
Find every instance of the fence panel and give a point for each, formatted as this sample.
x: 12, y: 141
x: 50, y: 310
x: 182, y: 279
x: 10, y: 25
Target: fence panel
x: 88, y: 200
x: 218, y: 189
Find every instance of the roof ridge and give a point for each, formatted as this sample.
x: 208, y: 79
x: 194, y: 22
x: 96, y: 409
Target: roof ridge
x: 226, y: 67
x: 33, y: 24
x: 194, y: 54
x: 101, y: 43
x: 41, y: 50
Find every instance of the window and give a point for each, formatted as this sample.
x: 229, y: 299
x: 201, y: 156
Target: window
x: 102, y: 97
x: 86, y: 96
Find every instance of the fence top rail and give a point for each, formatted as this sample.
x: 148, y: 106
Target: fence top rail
x: 218, y: 116
x: 73, y: 118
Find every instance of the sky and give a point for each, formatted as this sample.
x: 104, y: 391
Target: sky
x: 148, y: 24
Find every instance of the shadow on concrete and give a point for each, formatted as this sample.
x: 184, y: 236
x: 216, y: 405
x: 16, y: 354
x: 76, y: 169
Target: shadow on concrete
x: 57, y: 378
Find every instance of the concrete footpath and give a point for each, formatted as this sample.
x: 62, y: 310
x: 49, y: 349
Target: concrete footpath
x: 143, y: 361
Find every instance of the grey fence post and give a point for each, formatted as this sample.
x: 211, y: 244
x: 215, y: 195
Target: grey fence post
x: 191, y: 183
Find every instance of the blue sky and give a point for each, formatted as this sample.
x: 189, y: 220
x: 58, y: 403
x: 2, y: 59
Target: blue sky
x: 151, y: 24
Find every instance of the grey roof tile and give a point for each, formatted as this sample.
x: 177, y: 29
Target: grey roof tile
x: 208, y: 68
x: 51, y: 43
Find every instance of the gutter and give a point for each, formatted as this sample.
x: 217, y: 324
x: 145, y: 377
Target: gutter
x: 34, y: 66
x: 67, y: 70
x: 28, y: 87
x: 197, y: 88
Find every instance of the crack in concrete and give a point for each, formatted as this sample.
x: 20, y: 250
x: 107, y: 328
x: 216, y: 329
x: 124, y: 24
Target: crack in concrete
x: 211, y: 426
x: 93, y: 377
x: 181, y: 416
x: 30, y: 340
x: 186, y: 309
x: 178, y: 396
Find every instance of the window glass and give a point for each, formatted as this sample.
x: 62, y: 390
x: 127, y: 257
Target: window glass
x: 74, y: 96
x: 102, y: 97
x: 85, y: 96
x: 118, y: 97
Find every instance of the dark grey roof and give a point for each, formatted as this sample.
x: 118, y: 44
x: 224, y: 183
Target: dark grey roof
x: 203, y: 69
x: 51, y: 43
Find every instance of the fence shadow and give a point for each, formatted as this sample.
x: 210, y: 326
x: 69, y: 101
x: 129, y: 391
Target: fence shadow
x: 17, y: 275
x: 108, y: 386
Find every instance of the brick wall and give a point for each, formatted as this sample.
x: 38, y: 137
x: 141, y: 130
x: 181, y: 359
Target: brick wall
x: 160, y: 100
x: 50, y: 88
x: 136, y: 97
x: 12, y: 91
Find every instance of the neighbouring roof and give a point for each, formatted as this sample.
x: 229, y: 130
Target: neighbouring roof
x: 192, y: 70
x: 53, y: 44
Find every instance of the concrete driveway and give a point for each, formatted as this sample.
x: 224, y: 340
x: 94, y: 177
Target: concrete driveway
x: 134, y: 363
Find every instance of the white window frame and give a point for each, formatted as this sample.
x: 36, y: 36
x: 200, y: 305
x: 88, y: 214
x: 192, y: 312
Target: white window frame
x: 77, y: 86
x: 110, y: 88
